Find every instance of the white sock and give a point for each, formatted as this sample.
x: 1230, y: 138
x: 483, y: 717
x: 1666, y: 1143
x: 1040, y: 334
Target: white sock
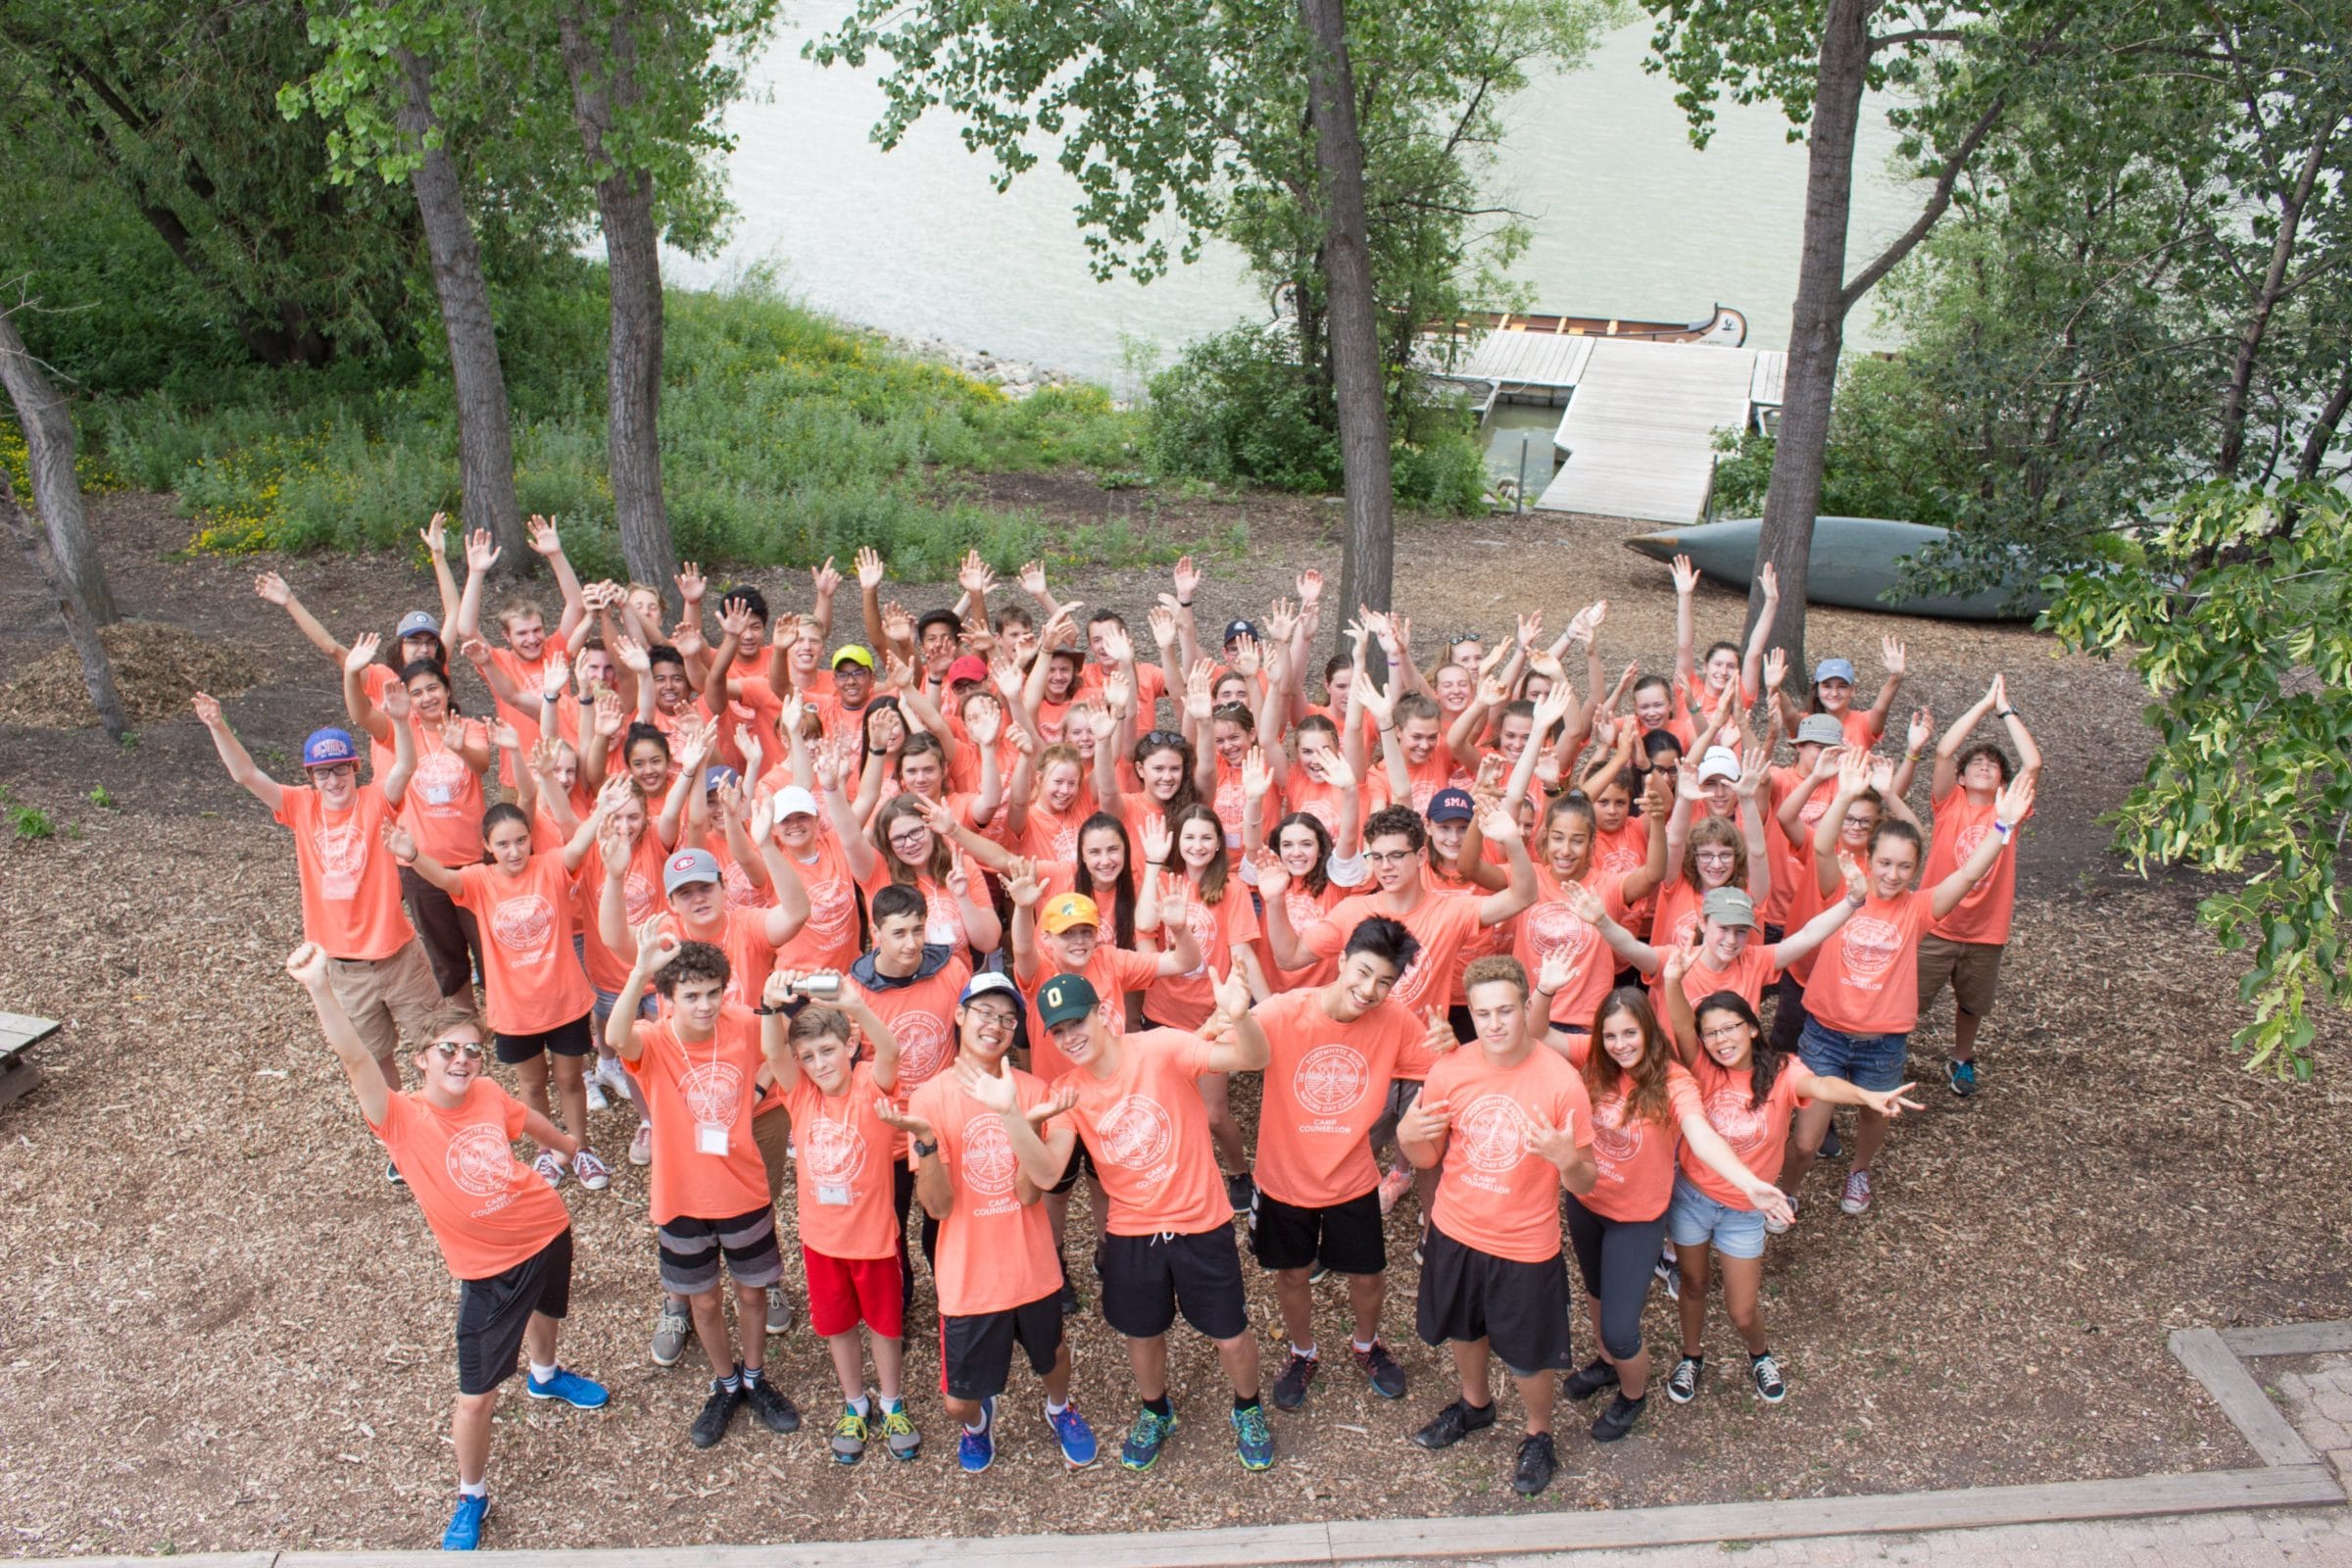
x: 1363, y: 1346
x: 1054, y: 1408
x: 863, y: 1405
x: 541, y: 1374
x: 982, y: 1427
x: 1307, y: 1351
x: 475, y: 1489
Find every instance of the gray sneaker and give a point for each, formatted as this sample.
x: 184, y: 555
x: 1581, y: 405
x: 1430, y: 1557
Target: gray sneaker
x: 779, y: 1311
x: 670, y: 1333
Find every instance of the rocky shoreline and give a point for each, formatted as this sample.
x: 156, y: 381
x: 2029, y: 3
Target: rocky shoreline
x: 1016, y: 379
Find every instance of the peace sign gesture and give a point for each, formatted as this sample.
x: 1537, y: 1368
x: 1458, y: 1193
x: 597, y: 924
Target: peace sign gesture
x: 1557, y: 1145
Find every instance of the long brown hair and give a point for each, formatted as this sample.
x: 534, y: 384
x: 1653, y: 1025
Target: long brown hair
x: 942, y: 860
x: 1211, y: 885
x: 1643, y: 1085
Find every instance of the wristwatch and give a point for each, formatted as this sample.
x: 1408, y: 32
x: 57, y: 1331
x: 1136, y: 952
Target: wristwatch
x: 922, y: 1150
x: 2005, y: 713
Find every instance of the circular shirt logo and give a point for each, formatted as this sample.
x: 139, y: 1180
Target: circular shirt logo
x: 831, y: 1152
x: 1965, y: 842
x: 1331, y: 1079
x: 1135, y: 1134
x: 1554, y: 930
x: 1065, y: 844
x: 1616, y: 1137
x: 741, y: 894
x: 1202, y: 921
x: 713, y: 1092
x: 638, y: 894
x: 1493, y: 1134
x: 832, y: 907
x: 1870, y: 946
x: 1617, y: 858
x: 522, y: 924
x: 1741, y: 1125
x: 439, y: 777
x: 1323, y: 810
x: 922, y: 1046
x: 989, y: 1166
x: 478, y: 1159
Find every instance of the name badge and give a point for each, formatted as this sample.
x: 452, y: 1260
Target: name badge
x: 710, y: 1137
x: 436, y: 797
x: 838, y: 1196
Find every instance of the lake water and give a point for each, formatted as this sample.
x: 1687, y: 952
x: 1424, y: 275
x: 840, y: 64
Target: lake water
x: 1630, y: 220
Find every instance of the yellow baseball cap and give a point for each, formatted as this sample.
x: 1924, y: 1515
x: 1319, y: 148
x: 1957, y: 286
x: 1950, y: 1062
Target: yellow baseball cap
x: 852, y: 654
x: 1068, y: 910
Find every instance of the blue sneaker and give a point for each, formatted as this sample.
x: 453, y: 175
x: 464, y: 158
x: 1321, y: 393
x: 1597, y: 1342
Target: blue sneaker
x: 1962, y: 1076
x: 975, y: 1451
x: 573, y: 1389
x: 465, y: 1531
x: 1077, y: 1439
x: 1252, y: 1437
x: 1146, y: 1437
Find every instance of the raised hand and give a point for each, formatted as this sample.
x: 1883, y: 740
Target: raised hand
x: 984, y: 722
x: 1335, y: 772
x: 1310, y: 587
x: 1499, y: 826
x: 1033, y: 579
x: 1117, y: 647
x: 1755, y: 766
x: 545, y: 540
x: 1769, y: 581
x: 633, y: 655
x: 869, y: 567
x: 1197, y: 688
x: 1021, y: 884
x: 555, y: 678
x: 1681, y: 958
x: 363, y: 653
x: 1163, y: 620
x: 995, y: 1090
x: 1891, y: 654
x: 435, y: 535
x: 397, y: 706
x: 1232, y: 991
x: 273, y: 588
x: 1923, y: 730
x: 1557, y: 972
x: 399, y: 843
x: 1273, y: 877
x: 208, y: 709
x: 687, y: 636
x: 735, y: 618
x: 657, y: 947
x: 1118, y: 693
x: 1686, y: 577
x: 1280, y: 621
x: 1255, y: 779
x: 825, y: 580
x: 1584, y: 903
x: 481, y: 553
x: 501, y: 735
x: 1776, y: 666
x: 1245, y: 655
x: 972, y: 574
x: 1157, y: 839
x: 2015, y: 802
x: 610, y: 718
x: 1185, y: 578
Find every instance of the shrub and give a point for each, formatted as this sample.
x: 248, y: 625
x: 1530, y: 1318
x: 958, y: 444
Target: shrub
x: 1236, y: 408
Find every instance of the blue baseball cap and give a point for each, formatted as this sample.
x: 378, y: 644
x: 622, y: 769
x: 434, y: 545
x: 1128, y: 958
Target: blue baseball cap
x: 1833, y: 670
x: 719, y: 773
x: 989, y: 982
x: 329, y: 748
x: 1451, y: 805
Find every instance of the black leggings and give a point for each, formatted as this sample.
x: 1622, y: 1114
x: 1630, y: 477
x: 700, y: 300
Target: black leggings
x: 1615, y: 1258
x: 453, y: 942
x: 1788, y: 1015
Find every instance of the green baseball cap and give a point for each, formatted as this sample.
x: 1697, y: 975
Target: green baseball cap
x: 1064, y: 997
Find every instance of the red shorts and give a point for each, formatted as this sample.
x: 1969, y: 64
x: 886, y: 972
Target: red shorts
x: 844, y: 1292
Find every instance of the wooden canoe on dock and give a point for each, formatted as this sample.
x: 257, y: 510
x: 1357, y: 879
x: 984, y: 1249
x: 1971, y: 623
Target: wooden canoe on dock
x: 1726, y: 328
x: 1854, y: 562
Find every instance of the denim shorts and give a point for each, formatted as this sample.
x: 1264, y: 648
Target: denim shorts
x: 1694, y: 1219
x: 1866, y: 1061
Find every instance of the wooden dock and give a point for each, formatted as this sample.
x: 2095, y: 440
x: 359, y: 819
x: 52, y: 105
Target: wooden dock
x: 1639, y: 430
x: 1527, y: 367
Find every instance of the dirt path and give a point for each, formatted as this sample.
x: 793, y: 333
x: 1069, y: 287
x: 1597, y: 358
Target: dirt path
x: 223, y: 1329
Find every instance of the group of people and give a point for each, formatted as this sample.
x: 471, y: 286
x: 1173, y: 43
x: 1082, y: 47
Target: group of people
x: 1000, y: 899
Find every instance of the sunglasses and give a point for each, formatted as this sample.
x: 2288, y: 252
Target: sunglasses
x: 1158, y: 738
x: 1461, y: 637
x: 451, y: 1049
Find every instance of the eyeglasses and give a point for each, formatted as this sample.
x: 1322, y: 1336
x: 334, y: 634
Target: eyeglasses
x: 1389, y: 856
x: 910, y: 835
x: 1001, y: 1017
x: 337, y: 770
x: 1723, y: 1031
x: 451, y: 1049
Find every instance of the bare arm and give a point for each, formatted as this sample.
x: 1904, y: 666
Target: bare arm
x: 308, y: 966
x: 234, y: 758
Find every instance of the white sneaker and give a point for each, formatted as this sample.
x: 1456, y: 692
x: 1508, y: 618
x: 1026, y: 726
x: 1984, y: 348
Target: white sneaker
x: 596, y: 1095
x: 611, y: 1074
x: 594, y: 1173
x: 641, y: 1145
x: 1775, y: 1227
x: 549, y: 1168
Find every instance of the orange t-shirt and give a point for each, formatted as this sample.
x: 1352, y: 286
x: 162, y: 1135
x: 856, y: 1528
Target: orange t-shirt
x: 1049, y: 835
x: 1757, y: 966
x: 1305, y: 910
x: 1321, y: 800
x: 349, y: 882
x: 443, y: 806
x: 1757, y: 1134
x: 641, y: 901
x: 487, y: 1209
x: 943, y: 916
x: 1983, y: 916
x: 1150, y: 685
x: 531, y: 980
x: 1635, y: 1156
x: 1550, y: 926
x: 1435, y: 774
x: 1113, y: 971
x: 1621, y: 853
x: 1148, y: 1133
x: 829, y: 941
x: 529, y: 677
x: 1677, y: 913
x: 743, y: 937
x: 742, y: 892
x: 844, y: 1168
x: 921, y: 1017
x: 1860, y: 732
x: 1325, y: 1086
x: 1787, y: 871
x: 1440, y: 923
x: 996, y: 1252
x: 1494, y: 1193
x: 1866, y: 977
x: 695, y: 1083
x: 1185, y: 1000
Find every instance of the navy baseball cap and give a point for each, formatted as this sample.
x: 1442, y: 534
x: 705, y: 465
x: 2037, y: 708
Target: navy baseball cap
x: 1451, y: 805
x: 1240, y: 629
x: 329, y: 748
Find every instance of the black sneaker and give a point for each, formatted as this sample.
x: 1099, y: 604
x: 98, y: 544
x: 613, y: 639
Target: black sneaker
x: 772, y: 1409
x: 1587, y: 1380
x: 1455, y: 1423
x: 1289, y: 1384
x: 392, y: 1174
x: 1102, y: 1251
x: 1068, y: 1299
x: 719, y: 1413
x: 1619, y: 1418
x: 1380, y: 1369
x: 1682, y: 1384
x: 1317, y: 1270
x: 1831, y: 1147
x: 1766, y: 1370
x: 1240, y: 1192
x: 1536, y: 1466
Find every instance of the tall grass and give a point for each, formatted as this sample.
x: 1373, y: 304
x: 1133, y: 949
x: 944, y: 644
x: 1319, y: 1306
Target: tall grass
x: 786, y: 438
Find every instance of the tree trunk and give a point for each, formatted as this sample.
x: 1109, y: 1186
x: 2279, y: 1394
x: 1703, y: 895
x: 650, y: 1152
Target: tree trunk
x: 56, y: 491
x: 2322, y: 434
x: 2233, y: 448
x: 1367, y: 565
x: 1816, y: 327
x: 96, y: 672
x: 604, y: 83
x: 485, y: 441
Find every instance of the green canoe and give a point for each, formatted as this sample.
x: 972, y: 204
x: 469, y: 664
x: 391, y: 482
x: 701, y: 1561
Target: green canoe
x: 1855, y: 560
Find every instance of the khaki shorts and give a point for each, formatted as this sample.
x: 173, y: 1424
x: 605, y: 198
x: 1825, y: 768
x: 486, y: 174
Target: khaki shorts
x: 771, y: 1131
x: 381, y: 997
x: 1973, y: 969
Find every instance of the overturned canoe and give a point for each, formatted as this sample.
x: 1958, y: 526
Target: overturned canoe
x: 1855, y: 561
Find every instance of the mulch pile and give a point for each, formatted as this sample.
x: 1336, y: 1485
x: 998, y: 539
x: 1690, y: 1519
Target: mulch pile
x: 156, y: 668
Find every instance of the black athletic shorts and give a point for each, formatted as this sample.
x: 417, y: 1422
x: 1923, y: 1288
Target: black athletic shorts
x: 1346, y: 1237
x: 975, y: 1353
x: 1080, y: 1161
x: 1147, y: 1278
x: 1520, y: 1308
x: 492, y: 1313
x: 574, y: 1039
